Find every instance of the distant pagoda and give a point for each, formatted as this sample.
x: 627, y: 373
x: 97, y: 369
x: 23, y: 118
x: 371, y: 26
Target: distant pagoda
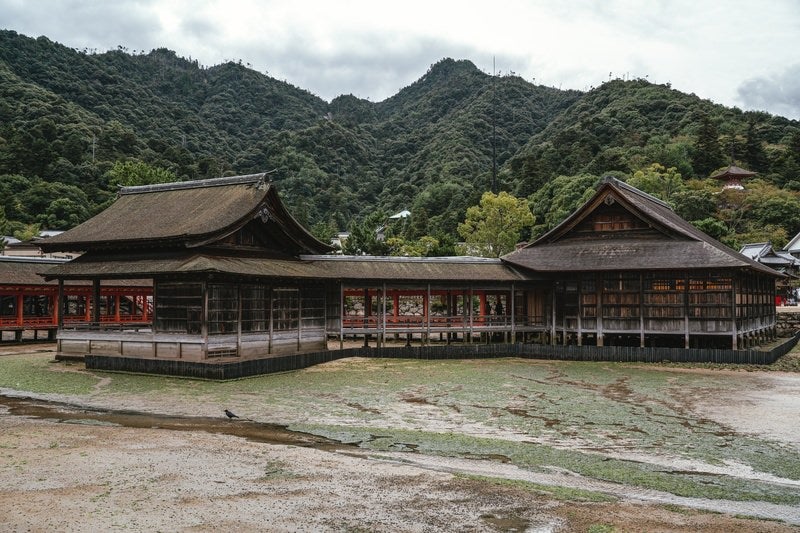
x: 732, y: 177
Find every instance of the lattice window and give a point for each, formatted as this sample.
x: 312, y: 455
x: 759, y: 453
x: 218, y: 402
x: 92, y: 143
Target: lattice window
x: 179, y: 307
x: 285, y: 309
x: 223, y: 309
x: 313, y: 307
x: 255, y: 308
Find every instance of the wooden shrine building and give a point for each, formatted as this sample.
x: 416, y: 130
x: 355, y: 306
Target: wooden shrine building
x: 627, y: 270
x: 235, y: 277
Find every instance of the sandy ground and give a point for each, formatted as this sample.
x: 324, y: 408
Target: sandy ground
x: 68, y: 476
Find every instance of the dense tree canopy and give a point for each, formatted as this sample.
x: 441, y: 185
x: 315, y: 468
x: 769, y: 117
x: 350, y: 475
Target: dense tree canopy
x: 75, y: 124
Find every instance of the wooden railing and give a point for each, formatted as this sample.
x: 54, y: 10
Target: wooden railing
x: 459, y: 322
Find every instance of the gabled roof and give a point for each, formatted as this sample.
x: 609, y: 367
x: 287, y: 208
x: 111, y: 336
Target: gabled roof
x: 794, y: 244
x: 756, y: 250
x: 187, y: 215
x: 766, y: 255
x: 670, y: 244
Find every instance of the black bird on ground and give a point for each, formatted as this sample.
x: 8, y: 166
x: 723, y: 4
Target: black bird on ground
x: 230, y: 414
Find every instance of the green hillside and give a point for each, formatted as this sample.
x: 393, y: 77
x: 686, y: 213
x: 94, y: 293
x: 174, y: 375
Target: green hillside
x: 75, y: 124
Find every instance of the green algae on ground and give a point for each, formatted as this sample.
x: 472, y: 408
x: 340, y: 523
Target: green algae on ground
x: 540, y: 458
x: 39, y: 374
x: 553, y: 491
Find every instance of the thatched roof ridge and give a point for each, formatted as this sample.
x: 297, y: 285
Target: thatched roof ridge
x: 186, y: 215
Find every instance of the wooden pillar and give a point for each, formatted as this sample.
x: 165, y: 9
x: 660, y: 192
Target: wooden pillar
x: 117, y: 316
x: 55, y: 312
x: 383, y: 315
x: 60, y: 304
x: 204, y: 320
x: 553, y: 315
x: 341, y: 316
x: 426, y: 304
x: 513, y: 304
x: 87, y: 307
x: 641, y: 310
x: 367, y: 305
x: 96, y: 301
x: 734, y: 329
x: 599, y: 311
x: 580, y: 310
x: 686, y: 343
x: 20, y: 319
x: 271, y: 319
x: 299, y: 319
x: 239, y: 310
x: 468, y: 309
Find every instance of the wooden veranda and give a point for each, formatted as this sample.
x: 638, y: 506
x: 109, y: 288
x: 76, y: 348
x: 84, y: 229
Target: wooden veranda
x: 28, y: 303
x: 455, y: 313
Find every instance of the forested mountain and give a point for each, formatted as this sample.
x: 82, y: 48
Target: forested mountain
x: 74, y: 124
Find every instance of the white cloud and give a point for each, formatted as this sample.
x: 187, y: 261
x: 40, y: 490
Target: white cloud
x: 778, y: 92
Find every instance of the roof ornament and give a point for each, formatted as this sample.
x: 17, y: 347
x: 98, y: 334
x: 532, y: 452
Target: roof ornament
x: 264, y: 182
x: 263, y: 213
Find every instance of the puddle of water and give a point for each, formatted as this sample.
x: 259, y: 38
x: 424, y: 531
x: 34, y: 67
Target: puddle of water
x: 253, y: 431
x: 512, y: 523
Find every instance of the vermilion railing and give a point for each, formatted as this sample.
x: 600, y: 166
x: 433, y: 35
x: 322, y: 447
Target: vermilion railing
x: 440, y: 322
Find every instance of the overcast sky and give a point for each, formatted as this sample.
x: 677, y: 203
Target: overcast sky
x: 737, y: 53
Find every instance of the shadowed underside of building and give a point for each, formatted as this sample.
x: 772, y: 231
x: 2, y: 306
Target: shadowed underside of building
x: 235, y: 277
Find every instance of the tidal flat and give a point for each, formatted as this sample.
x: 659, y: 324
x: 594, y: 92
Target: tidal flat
x: 622, y: 432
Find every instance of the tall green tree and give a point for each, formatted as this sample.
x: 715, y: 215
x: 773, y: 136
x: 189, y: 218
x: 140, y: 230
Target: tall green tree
x: 754, y: 152
x: 494, y: 227
x: 707, y: 154
x: 363, y: 239
x: 3, y: 228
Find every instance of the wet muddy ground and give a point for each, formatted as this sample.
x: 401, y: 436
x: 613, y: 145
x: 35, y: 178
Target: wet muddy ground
x: 503, y: 445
